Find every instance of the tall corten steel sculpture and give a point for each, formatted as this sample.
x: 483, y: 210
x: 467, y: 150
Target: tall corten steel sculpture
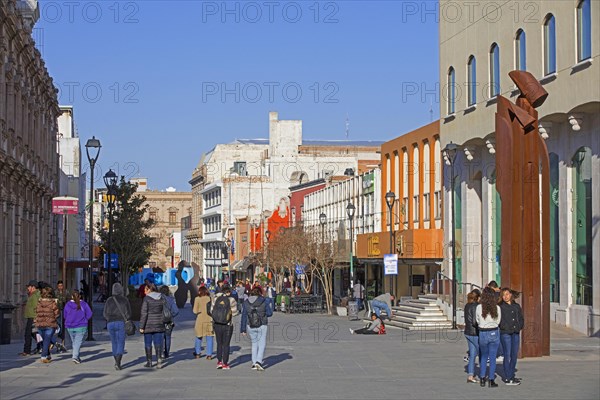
x: 521, y: 161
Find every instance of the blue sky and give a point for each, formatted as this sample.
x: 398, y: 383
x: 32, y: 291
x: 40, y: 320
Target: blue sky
x: 161, y: 82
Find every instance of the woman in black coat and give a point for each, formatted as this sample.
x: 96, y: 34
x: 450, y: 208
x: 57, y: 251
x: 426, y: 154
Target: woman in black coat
x: 152, y: 324
x: 511, y: 324
x: 472, y: 333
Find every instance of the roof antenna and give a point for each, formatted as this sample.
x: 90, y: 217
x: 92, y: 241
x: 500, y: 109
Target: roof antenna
x: 347, y: 126
x: 431, y: 110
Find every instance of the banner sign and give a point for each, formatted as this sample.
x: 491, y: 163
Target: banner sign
x: 390, y: 264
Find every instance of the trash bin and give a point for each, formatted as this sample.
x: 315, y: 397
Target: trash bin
x: 352, y: 310
x: 5, y: 322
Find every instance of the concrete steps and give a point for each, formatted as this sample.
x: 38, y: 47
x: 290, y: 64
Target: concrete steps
x: 419, y: 314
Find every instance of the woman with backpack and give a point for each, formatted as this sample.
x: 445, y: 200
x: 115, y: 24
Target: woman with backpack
x: 164, y: 290
x: 223, y: 309
x: 204, y: 323
x: 255, y: 312
x: 152, y: 324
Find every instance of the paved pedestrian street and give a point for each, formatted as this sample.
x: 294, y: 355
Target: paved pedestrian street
x: 307, y: 357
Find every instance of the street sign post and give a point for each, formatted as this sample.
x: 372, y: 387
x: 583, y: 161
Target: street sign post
x: 114, y: 261
x: 65, y: 205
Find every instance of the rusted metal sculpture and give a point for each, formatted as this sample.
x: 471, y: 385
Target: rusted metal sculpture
x: 521, y: 161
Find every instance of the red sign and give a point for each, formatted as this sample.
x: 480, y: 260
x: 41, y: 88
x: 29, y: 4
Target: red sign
x: 65, y: 205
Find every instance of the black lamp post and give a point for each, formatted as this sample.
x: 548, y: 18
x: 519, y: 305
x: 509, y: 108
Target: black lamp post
x: 350, y: 210
x: 323, y: 221
x: 390, y: 198
x: 267, y: 237
x: 94, y: 146
x: 450, y: 153
x: 110, y: 180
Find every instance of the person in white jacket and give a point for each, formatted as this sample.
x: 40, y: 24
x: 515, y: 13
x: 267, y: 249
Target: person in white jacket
x: 488, y: 316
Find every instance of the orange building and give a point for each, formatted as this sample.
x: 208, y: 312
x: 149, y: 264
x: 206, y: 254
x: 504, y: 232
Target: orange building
x: 411, y: 171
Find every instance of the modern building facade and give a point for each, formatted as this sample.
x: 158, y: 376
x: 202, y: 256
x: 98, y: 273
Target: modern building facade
x: 559, y: 45
x: 29, y: 173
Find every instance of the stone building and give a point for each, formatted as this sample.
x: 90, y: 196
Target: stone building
x: 559, y: 44
x: 29, y: 173
x: 167, y: 208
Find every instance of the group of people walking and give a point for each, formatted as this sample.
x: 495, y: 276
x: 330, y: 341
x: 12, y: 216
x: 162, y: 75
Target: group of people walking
x: 47, y: 312
x: 493, y: 321
x: 214, y: 319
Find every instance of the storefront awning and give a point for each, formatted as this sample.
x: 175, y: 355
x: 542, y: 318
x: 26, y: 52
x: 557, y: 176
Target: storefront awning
x: 241, y: 265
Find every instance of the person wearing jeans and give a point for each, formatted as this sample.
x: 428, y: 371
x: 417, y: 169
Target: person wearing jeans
x: 488, y: 316
x: 77, y: 313
x: 511, y: 324
x: 383, y: 302
x: 472, y: 333
x: 46, y: 320
x: 257, y: 333
x: 203, y: 328
x: 152, y: 324
x: 117, y: 310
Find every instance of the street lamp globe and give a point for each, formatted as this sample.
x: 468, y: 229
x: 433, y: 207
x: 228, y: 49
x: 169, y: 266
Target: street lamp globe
x: 350, y: 209
x: 450, y: 152
x: 110, y: 180
x: 94, y: 145
x: 322, y: 219
x: 390, y: 197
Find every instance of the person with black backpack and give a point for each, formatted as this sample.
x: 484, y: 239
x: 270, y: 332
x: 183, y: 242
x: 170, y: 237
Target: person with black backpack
x: 224, y: 308
x: 255, y: 312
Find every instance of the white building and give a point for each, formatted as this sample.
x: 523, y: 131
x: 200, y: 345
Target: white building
x: 72, y: 183
x: 250, y: 178
x: 559, y: 45
x: 364, y: 193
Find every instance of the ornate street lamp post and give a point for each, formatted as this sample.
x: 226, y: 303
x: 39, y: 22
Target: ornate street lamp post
x: 110, y: 180
x: 350, y: 210
x: 450, y: 152
x: 92, y: 149
x: 390, y: 198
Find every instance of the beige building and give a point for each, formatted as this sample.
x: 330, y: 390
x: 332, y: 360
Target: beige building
x: 559, y: 43
x: 29, y: 173
x: 167, y: 208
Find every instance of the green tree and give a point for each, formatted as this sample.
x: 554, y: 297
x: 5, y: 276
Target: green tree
x: 130, y: 239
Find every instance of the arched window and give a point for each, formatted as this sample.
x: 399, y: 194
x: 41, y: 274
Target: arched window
x: 520, y: 51
x: 472, y: 80
x: 549, y: 45
x: 584, y: 30
x: 494, y: 70
x: 451, y: 91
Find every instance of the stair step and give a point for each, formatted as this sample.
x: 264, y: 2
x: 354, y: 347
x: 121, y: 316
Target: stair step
x: 422, y: 301
x: 419, y: 318
x: 416, y: 307
x: 408, y: 314
x: 416, y: 327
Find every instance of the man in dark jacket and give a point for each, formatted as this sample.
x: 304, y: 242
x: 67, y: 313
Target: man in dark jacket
x: 255, y: 318
x: 30, y: 312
